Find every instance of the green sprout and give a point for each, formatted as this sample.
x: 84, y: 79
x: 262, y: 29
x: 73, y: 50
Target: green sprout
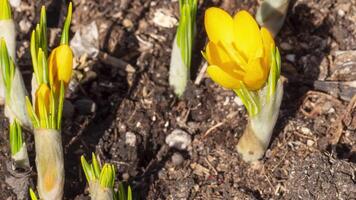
x: 181, y: 55
x: 16, y: 141
x: 39, y: 49
x: 7, y: 67
x: 105, y: 178
x: 5, y: 10
x: 33, y: 195
x: 93, y: 172
x: 186, y: 29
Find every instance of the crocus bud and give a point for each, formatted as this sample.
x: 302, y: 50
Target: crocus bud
x: 60, y: 65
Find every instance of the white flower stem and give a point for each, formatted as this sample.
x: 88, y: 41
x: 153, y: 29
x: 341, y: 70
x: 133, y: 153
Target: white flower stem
x: 178, y: 72
x: 49, y: 163
x: 257, y: 135
x: 98, y: 192
x: 20, y: 158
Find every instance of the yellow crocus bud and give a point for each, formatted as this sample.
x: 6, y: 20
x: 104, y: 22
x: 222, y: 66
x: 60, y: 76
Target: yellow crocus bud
x: 60, y: 65
x: 238, y: 50
x: 42, y: 100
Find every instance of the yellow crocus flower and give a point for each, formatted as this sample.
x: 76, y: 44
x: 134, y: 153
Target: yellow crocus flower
x: 238, y: 51
x: 60, y: 65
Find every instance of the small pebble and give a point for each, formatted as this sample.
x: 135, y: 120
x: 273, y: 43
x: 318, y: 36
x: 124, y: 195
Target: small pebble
x: 125, y: 176
x: 130, y: 139
x: 305, y: 131
x: 238, y: 101
x: 177, y: 159
x: 341, y: 13
x: 310, y: 143
x: 290, y: 57
x: 127, y: 23
x: 286, y: 46
x: 178, y: 139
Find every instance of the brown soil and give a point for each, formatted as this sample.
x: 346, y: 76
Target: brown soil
x: 312, y: 154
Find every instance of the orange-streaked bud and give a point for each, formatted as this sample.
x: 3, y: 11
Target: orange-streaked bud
x: 60, y: 65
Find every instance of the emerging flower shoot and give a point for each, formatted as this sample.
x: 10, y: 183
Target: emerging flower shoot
x: 242, y: 57
x: 101, y: 181
x: 181, y: 56
x: 7, y: 27
x: 271, y: 14
x: 15, y: 109
x: 49, y: 83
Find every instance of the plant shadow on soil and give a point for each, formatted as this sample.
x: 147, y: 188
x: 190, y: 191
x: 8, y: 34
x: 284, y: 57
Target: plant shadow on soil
x: 301, y: 77
x: 86, y: 131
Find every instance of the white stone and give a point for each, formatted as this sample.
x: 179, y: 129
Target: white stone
x: 178, y: 139
x: 164, y: 19
x: 130, y: 139
x: 290, y: 57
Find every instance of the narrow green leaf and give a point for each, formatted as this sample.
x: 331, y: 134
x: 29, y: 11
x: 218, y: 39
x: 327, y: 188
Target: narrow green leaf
x: 31, y: 112
x: 65, y: 32
x: 34, y: 54
x: 122, y: 192
x: 271, y: 84
x: 96, y: 165
x: 60, y: 105
x: 249, y: 99
x: 16, y: 140
x: 5, y: 63
x: 86, y: 168
x: 53, y: 114
x: 278, y: 63
x: 43, y: 26
x: 129, y: 193
x: 33, y: 195
x: 5, y: 10
x: 40, y: 66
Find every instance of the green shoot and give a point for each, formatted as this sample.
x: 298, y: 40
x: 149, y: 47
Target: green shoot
x: 107, y: 176
x: 5, y: 10
x: 274, y: 73
x: 121, y: 194
x: 93, y: 172
x: 186, y: 29
x: 33, y: 195
x: 60, y: 106
x: 43, y: 31
x: 65, y: 32
x: 16, y: 140
x: 39, y: 49
x: 32, y: 114
x: 7, y: 66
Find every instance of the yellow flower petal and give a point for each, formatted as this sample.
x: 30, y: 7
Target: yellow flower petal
x: 60, y: 65
x: 218, y: 25
x: 216, y: 55
x: 247, y: 36
x: 255, y: 74
x: 268, y: 44
x: 42, y: 99
x: 222, y: 78
x: 52, y: 65
x: 64, y: 61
